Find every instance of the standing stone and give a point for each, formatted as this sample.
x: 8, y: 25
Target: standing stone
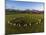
x: 8, y: 22
x: 25, y: 25
x: 30, y: 24
x: 14, y: 24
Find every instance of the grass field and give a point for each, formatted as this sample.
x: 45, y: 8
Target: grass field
x: 33, y: 19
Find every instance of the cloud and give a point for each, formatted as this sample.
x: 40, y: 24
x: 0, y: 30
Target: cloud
x: 30, y: 0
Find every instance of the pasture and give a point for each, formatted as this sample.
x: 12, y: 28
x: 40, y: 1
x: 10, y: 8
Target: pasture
x: 24, y: 23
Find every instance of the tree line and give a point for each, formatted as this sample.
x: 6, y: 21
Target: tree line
x: 12, y: 11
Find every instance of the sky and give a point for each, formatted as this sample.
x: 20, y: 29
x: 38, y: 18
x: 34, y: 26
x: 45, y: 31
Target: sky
x: 21, y: 5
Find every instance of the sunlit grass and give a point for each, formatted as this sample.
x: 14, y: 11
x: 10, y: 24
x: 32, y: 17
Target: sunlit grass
x: 35, y: 23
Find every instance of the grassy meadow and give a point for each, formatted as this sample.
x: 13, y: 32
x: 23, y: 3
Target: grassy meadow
x: 24, y: 23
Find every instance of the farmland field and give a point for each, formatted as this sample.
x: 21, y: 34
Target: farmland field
x: 32, y: 19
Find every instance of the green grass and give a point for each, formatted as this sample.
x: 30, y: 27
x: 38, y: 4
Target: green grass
x: 28, y: 18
